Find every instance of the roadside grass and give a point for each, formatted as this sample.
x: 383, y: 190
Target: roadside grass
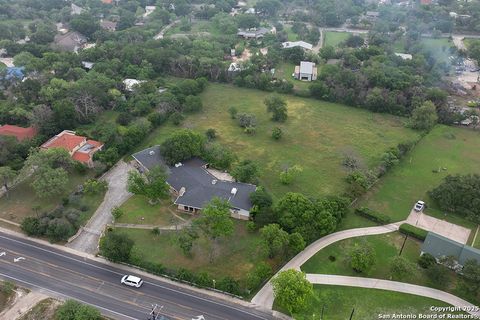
x: 3, y: 300
x: 137, y: 210
x: 235, y: 256
x: 338, y: 302
x: 22, y: 199
x: 317, y: 135
x: 332, y: 38
x: 7, y: 291
x: 386, y: 247
x: 448, y: 150
x: 44, y: 310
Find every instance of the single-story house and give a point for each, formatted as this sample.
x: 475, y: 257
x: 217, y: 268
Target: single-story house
x: 131, y: 83
x: 80, y: 148
x: 108, y: 25
x: 372, y: 15
x: 306, y: 71
x: 19, y: 133
x: 87, y: 65
x: 194, y: 187
x: 404, y: 56
x: 293, y: 44
x: 441, y: 247
x: 71, y: 41
x: 253, y: 33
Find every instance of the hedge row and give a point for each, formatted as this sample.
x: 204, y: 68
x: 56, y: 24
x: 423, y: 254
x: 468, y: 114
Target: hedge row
x: 372, y: 215
x: 413, y: 231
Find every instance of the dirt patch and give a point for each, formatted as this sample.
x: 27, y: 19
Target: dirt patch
x: 44, y: 310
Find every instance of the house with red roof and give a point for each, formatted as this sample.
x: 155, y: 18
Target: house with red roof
x: 19, y: 133
x: 80, y: 148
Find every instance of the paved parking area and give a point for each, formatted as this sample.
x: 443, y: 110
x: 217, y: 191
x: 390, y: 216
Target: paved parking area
x: 442, y: 227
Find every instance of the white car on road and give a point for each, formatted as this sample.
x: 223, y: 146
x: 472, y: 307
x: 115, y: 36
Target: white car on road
x: 419, y: 206
x: 132, y: 281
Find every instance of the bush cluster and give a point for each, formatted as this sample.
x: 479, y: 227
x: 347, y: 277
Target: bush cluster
x: 413, y: 231
x: 373, y: 215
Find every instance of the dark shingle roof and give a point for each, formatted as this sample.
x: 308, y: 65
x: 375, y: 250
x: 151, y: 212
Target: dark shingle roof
x: 439, y: 246
x: 197, y: 181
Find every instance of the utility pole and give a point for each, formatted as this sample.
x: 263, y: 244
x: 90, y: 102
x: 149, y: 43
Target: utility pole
x: 403, y: 245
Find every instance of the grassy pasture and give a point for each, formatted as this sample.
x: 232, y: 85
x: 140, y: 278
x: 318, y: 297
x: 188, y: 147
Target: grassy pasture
x: 332, y: 38
x: 317, y: 136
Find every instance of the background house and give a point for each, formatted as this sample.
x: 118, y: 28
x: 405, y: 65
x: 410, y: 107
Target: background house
x: 18, y: 132
x: 194, y: 187
x: 71, y: 41
x: 293, y: 44
x: 441, y: 247
x: 254, y: 33
x: 306, y: 71
x: 80, y: 148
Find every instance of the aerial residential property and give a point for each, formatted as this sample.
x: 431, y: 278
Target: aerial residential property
x: 306, y: 71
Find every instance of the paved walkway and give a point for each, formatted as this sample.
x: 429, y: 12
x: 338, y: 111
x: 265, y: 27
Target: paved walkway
x: 265, y: 297
x: 442, y: 227
x: 151, y: 226
x: 391, y: 286
x: 87, y: 240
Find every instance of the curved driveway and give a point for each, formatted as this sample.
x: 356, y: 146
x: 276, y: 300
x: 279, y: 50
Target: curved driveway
x: 265, y: 297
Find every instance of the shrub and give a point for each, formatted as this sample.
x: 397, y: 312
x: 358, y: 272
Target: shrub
x: 7, y: 288
x: 373, y: 215
x: 92, y: 186
x: 229, y: 284
x: 156, y: 231
x: 332, y: 258
x: 413, y: 231
x: 426, y: 260
x: 211, y: 134
x: 30, y: 225
x: 251, y: 227
x: 246, y: 120
x: 117, y: 213
x: 277, y: 133
x: 258, y: 275
x: 177, y: 118
x: 233, y: 112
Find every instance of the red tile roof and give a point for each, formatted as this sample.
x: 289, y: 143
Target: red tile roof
x: 66, y: 140
x: 18, y: 132
x: 82, y: 156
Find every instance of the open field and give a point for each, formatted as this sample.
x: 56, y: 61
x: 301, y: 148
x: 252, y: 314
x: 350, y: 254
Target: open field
x: 386, y: 247
x: 445, y: 149
x: 137, y: 210
x: 368, y: 303
x: 235, y: 256
x: 22, y: 199
x: 332, y: 38
x: 317, y: 136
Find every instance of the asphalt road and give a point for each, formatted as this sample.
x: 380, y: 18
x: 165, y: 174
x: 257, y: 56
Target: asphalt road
x: 33, y: 265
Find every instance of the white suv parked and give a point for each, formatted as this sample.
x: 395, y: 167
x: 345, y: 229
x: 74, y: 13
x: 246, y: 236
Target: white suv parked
x: 132, y: 281
x: 419, y: 206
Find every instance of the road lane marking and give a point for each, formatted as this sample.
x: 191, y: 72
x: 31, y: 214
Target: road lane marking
x: 66, y: 295
x: 2, y: 253
x: 112, y: 284
x: 154, y: 284
x: 18, y: 259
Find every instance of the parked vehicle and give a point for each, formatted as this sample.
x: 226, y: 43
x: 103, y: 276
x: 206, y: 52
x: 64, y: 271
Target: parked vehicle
x: 419, y: 206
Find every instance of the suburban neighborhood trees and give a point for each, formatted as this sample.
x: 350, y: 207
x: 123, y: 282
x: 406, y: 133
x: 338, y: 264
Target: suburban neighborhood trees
x: 152, y: 184
x: 215, y: 222
x: 275, y: 240
x: 182, y: 145
x: 362, y: 257
x: 116, y: 247
x: 292, y: 290
x: 277, y: 106
x: 245, y: 171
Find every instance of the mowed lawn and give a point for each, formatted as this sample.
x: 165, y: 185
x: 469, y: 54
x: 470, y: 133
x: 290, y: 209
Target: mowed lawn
x: 332, y: 38
x: 235, y: 256
x: 338, y: 303
x: 137, y: 210
x: 447, y: 150
x: 317, y: 136
x: 22, y: 199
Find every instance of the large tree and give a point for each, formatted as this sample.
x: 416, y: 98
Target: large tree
x: 362, y: 257
x: 277, y: 106
x: 424, y: 117
x: 215, y: 222
x: 275, y: 240
x: 292, y: 290
x: 182, y: 145
x: 152, y: 184
x: 7, y: 176
x: 73, y: 310
x: 116, y: 247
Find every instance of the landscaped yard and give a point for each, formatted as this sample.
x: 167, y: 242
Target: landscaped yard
x: 22, y: 199
x: 317, y: 136
x: 137, y: 210
x: 368, y: 303
x: 332, y: 38
x: 335, y: 259
x: 445, y: 150
x: 235, y: 257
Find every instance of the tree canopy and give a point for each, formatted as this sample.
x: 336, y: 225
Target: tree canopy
x: 292, y: 290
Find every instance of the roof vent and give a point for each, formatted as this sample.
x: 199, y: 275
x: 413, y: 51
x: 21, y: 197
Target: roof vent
x: 151, y: 152
x: 182, y: 191
x: 178, y: 165
x: 234, y: 191
x: 214, y: 181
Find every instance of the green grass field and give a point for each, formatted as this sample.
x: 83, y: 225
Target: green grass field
x: 452, y: 150
x: 235, y: 257
x: 332, y: 38
x: 386, y: 247
x: 21, y: 200
x: 317, y: 135
x: 137, y: 210
x: 368, y: 303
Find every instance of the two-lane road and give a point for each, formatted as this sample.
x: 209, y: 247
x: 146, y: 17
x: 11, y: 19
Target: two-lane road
x: 64, y: 274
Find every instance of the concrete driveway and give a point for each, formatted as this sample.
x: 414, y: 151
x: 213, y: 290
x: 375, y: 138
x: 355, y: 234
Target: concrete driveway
x: 116, y: 177
x: 442, y: 227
